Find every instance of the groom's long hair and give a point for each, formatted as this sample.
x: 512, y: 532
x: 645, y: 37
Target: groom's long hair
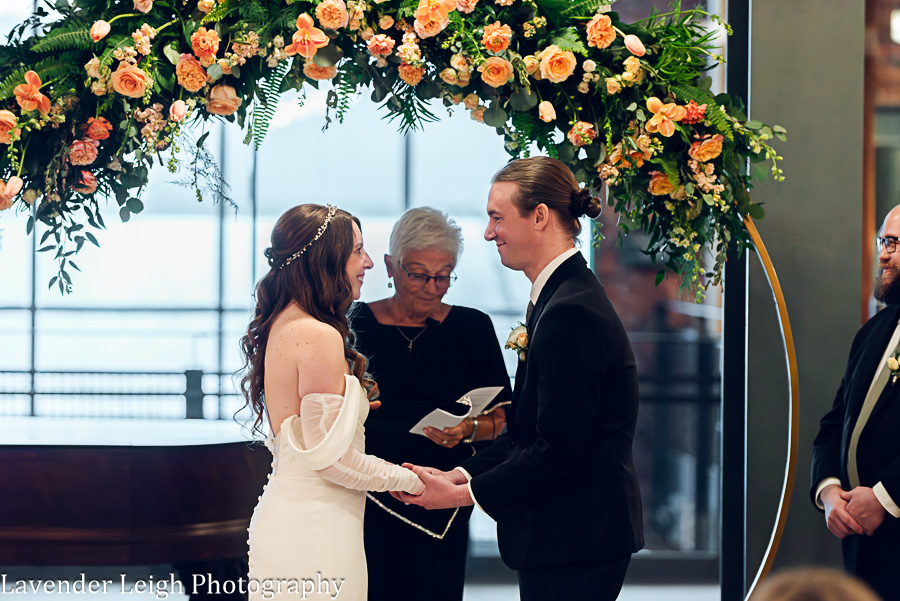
x: 317, y: 281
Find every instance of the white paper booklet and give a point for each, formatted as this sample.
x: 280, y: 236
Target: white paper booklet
x: 476, y: 400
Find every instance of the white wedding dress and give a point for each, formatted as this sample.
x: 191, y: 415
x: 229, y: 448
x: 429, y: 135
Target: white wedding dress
x: 306, y: 534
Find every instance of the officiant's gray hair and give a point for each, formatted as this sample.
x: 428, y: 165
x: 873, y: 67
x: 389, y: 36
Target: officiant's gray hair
x: 424, y: 227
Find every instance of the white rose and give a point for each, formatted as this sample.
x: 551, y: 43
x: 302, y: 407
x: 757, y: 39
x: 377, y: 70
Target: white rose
x: 518, y: 338
x: 893, y: 364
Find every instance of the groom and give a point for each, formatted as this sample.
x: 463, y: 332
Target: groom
x: 560, y: 482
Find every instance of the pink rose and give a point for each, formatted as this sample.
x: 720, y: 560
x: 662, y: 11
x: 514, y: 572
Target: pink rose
x: 88, y: 185
x: 83, y: 152
x: 635, y: 45
x: 466, y: 6
x: 546, y: 112
x: 143, y: 6
x: 222, y: 100
x: 177, y: 110
x: 8, y: 191
x: 99, y: 30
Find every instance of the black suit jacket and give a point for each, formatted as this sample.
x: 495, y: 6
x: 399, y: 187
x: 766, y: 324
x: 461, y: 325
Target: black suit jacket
x: 560, y: 482
x: 878, y: 449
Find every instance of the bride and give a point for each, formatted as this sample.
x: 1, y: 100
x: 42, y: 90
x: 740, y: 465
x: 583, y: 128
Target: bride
x: 303, y: 377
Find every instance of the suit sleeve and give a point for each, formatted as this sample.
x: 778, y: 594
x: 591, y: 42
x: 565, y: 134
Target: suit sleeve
x: 569, y: 405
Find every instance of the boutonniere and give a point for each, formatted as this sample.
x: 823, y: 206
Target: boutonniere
x: 893, y: 364
x: 518, y: 340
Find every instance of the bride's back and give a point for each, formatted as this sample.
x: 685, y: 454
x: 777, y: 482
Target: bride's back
x: 303, y: 355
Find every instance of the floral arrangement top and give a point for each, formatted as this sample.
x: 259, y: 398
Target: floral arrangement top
x: 89, y: 100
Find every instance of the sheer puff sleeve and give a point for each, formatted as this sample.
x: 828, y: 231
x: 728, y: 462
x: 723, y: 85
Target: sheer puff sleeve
x: 323, y: 435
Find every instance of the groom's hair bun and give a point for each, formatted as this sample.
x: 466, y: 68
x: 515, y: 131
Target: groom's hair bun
x: 585, y: 203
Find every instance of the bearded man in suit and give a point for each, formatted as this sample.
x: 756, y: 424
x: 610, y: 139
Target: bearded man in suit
x: 856, y: 455
x: 560, y: 482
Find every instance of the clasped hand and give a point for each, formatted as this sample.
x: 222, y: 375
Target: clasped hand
x: 856, y: 511
x: 442, y: 489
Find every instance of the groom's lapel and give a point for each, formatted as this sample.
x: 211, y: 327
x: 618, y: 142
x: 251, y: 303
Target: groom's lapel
x: 871, y: 359
x: 568, y: 267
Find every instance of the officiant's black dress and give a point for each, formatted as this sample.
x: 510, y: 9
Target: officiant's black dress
x: 445, y: 360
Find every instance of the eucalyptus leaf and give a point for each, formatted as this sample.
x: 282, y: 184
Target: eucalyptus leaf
x: 328, y: 56
x: 134, y: 205
x: 495, y: 116
x: 214, y: 71
x: 172, y: 53
x: 756, y: 211
x: 124, y: 214
x: 522, y: 100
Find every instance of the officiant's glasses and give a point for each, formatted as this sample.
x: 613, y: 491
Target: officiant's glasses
x: 421, y: 279
x: 888, y: 243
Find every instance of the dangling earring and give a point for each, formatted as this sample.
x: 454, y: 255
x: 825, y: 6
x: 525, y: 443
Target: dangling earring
x: 390, y: 284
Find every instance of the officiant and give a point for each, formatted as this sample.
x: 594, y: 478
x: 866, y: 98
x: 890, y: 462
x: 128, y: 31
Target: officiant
x: 425, y: 355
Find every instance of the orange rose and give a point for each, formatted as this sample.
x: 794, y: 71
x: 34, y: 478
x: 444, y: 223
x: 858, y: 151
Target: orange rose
x: 222, y: 100
x: 88, y: 183
x: 706, y: 149
x: 129, y: 81
x: 381, y: 45
x: 332, y: 14
x: 410, y: 74
x: 8, y: 191
x: 191, y: 74
x: 660, y: 184
x: 496, y: 71
x: 556, y: 65
x: 205, y: 43
x: 582, y: 133
x: 546, y: 112
x: 314, y: 71
x: 8, y: 122
x: 600, y: 32
x: 496, y: 37
x: 98, y: 129
x: 83, y: 152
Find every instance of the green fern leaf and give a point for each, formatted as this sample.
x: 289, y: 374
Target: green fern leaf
x: 407, y: 8
x: 685, y: 93
x: 51, y: 69
x: 72, y: 35
x: 271, y: 92
x: 216, y: 14
x: 569, y: 40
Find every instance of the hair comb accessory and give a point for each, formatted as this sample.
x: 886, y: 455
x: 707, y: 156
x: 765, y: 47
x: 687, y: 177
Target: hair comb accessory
x: 328, y: 217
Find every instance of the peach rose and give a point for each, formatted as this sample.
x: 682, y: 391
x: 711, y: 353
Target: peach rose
x: 478, y: 114
x: 381, y: 45
x: 8, y: 191
x: 449, y: 76
x: 97, y: 129
x: 556, y: 65
x: 178, y: 110
x: 83, y: 152
x: 600, y: 32
x: 143, y: 6
x: 93, y: 68
x: 332, y: 14
x: 496, y: 71
x: 660, y: 184
x: 546, y: 112
x: 386, y: 22
x: 99, y: 30
x: 532, y: 64
x: 496, y: 37
x: 427, y: 29
x: 88, y: 185
x: 205, y: 43
x: 582, y: 133
x: 8, y: 123
x: 459, y: 62
x: 612, y: 86
x: 471, y: 101
x: 706, y: 149
x: 466, y: 6
x: 635, y: 45
x: 222, y: 100
x: 205, y: 6
x: 98, y: 88
x: 314, y: 71
x: 632, y: 65
x: 410, y: 74
x: 129, y: 81
x: 191, y: 74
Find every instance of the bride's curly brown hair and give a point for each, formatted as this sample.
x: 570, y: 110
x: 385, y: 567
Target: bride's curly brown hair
x: 317, y: 281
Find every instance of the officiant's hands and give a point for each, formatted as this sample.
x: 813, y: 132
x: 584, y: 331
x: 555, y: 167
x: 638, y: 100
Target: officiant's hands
x: 840, y: 522
x: 864, y: 507
x: 450, y: 437
x: 443, y: 490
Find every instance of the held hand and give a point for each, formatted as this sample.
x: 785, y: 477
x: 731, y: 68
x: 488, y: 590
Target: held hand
x: 454, y: 476
x: 448, y: 437
x: 440, y: 492
x: 864, y: 507
x: 840, y: 522
x: 374, y: 405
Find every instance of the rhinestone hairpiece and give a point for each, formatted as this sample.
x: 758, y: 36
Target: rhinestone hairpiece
x: 331, y: 211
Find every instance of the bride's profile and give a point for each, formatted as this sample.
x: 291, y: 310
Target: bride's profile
x: 302, y: 376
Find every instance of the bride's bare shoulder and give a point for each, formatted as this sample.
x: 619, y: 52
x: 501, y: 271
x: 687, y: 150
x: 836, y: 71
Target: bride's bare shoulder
x: 296, y: 337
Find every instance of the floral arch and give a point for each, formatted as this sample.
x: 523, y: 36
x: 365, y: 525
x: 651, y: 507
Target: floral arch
x: 88, y: 103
